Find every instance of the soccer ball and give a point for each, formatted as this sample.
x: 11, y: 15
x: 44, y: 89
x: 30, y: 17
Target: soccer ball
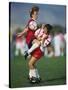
x: 33, y: 25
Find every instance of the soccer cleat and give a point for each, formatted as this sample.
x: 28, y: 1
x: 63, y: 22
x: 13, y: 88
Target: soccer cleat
x: 26, y: 55
x: 33, y: 80
x: 38, y: 80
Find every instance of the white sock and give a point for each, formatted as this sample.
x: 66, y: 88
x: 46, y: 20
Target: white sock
x: 37, y: 74
x: 32, y: 73
x: 34, y: 46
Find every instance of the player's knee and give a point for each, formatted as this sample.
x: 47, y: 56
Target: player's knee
x: 30, y: 64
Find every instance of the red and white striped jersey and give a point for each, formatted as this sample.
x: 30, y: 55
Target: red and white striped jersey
x: 47, y: 41
x: 40, y: 33
x: 30, y: 33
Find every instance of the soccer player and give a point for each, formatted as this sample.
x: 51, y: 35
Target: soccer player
x: 37, y: 54
x: 58, y: 48
x: 18, y: 46
x: 30, y: 30
x: 40, y: 36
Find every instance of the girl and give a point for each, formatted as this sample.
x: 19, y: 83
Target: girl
x: 37, y: 54
x: 40, y: 35
x: 28, y: 30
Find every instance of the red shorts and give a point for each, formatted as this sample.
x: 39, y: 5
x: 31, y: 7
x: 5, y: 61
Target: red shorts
x: 37, y: 53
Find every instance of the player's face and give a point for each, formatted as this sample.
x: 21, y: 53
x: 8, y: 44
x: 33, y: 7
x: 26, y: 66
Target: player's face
x: 45, y: 30
x: 35, y: 15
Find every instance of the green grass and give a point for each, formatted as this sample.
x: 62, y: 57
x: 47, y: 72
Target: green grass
x: 52, y: 71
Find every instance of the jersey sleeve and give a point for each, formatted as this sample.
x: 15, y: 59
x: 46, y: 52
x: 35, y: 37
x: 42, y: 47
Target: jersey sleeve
x: 47, y: 41
x: 32, y: 25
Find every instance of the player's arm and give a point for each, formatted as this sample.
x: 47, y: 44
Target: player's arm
x: 23, y: 32
x: 47, y: 41
x: 44, y: 37
x: 36, y: 34
x: 38, y: 38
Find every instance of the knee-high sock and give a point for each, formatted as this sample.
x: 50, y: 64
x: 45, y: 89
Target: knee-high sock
x: 37, y: 74
x: 32, y: 73
x: 34, y: 46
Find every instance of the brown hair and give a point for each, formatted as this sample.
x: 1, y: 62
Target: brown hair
x: 34, y: 8
x: 49, y: 27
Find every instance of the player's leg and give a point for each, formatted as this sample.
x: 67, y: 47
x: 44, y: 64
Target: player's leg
x: 17, y: 48
x: 57, y: 50
x: 32, y: 67
x: 35, y: 45
x: 62, y: 48
x: 50, y: 51
x: 33, y: 72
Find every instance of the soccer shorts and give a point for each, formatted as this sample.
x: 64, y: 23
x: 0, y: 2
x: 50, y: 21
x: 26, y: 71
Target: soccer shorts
x: 37, y: 53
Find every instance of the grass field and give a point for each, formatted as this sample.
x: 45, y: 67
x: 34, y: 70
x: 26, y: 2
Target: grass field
x: 52, y: 72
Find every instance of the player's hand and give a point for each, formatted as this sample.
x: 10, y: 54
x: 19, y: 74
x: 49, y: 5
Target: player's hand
x: 39, y: 38
x: 46, y: 36
x: 19, y: 34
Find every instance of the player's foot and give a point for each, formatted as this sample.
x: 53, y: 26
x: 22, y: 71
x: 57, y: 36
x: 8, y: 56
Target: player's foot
x: 33, y: 80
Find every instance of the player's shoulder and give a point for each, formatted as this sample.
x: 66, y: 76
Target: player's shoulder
x: 30, y: 20
x: 38, y: 30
